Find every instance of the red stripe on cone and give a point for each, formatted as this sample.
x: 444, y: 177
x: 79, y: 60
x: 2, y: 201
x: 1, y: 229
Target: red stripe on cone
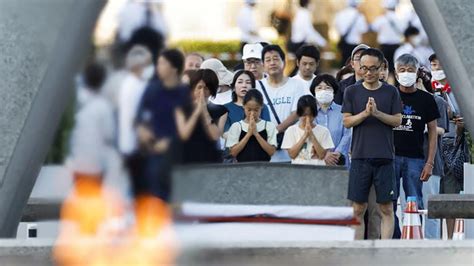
x: 411, y: 221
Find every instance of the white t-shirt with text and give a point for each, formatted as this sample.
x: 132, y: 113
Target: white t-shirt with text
x: 284, y: 98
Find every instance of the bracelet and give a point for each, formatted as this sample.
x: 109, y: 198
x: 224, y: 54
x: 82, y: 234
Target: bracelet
x: 430, y: 164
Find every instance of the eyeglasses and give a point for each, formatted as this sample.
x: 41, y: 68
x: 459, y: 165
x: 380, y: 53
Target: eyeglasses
x: 252, y: 62
x: 371, y: 69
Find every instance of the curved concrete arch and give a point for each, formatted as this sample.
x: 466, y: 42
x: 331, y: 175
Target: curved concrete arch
x: 42, y: 44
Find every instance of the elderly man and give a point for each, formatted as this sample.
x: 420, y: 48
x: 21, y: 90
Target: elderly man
x: 419, y: 111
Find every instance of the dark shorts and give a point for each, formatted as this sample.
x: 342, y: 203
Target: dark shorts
x: 450, y: 185
x: 365, y: 172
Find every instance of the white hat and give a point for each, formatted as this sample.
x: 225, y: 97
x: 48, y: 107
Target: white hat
x: 358, y: 48
x: 224, y: 75
x: 253, y: 50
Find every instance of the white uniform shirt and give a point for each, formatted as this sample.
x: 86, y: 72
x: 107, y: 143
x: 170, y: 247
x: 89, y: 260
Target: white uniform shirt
x: 247, y: 25
x: 133, y: 16
x: 294, y: 133
x: 284, y: 98
x: 302, y: 29
x: 422, y: 53
x: 131, y: 93
x: 344, y: 20
x: 386, y: 33
x: 413, y: 19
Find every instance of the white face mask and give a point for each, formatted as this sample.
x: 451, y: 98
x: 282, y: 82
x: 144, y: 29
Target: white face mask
x: 407, y: 79
x: 148, y: 72
x: 438, y: 75
x: 324, y: 96
x: 416, y: 40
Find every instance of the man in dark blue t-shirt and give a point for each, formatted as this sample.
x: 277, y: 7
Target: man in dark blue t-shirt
x: 372, y: 108
x: 419, y: 112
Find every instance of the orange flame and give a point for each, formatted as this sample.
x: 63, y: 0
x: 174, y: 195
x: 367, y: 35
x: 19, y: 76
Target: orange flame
x: 93, y: 229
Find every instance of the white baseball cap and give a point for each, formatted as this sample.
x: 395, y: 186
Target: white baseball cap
x: 224, y: 75
x: 252, y: 50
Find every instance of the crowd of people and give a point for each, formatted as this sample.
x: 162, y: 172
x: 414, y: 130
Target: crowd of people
x: 179, y: 109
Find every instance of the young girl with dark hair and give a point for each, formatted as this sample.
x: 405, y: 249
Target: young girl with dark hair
x: 307, y: 142
x: 252, y: 139
x: 243, y: 82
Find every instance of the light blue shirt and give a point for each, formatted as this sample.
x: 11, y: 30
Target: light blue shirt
x: 332, y: 120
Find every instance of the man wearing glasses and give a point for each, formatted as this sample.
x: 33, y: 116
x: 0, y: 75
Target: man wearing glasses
x: 358, y: 74
x: 252, y: 59
x: 372, y: 108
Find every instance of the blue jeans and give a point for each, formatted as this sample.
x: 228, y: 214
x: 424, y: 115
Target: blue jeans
x: 409, y: 169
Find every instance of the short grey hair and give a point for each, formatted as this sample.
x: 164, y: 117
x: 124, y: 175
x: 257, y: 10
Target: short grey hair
x: 138, y: 56
x: 407, y: 60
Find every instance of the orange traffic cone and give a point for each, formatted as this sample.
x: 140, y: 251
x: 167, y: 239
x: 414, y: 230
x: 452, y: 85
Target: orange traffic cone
x: 458, y: 229
x: 411, y: 221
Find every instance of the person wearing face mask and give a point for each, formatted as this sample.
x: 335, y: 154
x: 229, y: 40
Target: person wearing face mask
x: 449, y: 183
x: 419, y: 111
x: 432, y: 187
x: 323, y: 88
x: 413, y: 45
x: 140, y: 70
x: 441, y: 86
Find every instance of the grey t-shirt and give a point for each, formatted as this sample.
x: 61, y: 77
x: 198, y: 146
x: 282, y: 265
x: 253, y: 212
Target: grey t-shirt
x: 372, y: 139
